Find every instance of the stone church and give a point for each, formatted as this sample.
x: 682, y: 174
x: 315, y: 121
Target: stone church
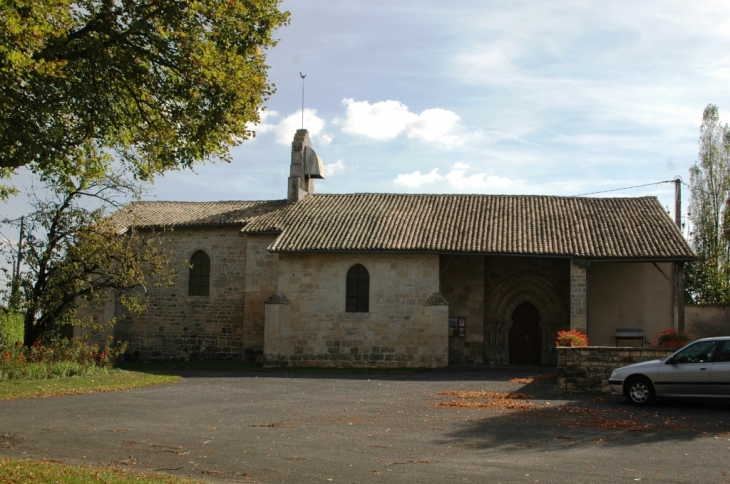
x: 375, y: 279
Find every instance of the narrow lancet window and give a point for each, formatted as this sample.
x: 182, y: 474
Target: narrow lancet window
x: 357, y: 290
x: 199, y: 282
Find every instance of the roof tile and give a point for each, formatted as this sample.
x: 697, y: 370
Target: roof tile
x: 613, y: 228
x: 175, y: 214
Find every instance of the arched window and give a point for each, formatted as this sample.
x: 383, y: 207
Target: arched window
x: 199, y: 282
x: 357, y: 290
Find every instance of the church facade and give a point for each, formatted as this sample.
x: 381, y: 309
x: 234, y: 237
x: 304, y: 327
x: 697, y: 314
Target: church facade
x: 401, y: 280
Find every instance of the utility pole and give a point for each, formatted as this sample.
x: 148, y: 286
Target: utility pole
x: 679, y: 282
x: 678, y: 202
x: 15, y: 285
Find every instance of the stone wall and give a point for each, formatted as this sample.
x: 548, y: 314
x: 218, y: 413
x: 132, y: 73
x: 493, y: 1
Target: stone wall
x: 578, y: 296
x: 178, y: 326
x: 100, y: 315
x: 307, y: 325
x: 588, y: 368
x: 462, y: 285
x: 704, y: 321
x: 261, y: 277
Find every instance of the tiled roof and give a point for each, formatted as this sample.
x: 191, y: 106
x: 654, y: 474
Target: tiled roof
x: 613, y: 228
x: 175, y: 214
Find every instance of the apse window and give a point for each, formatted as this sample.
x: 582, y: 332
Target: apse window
x: 358, y: 290
x: 199, y: 282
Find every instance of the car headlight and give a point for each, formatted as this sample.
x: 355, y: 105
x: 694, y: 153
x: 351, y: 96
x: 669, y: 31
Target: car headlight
x: 613, y: 373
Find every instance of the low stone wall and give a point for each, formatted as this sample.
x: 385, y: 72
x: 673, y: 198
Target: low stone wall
x: 588, y: 368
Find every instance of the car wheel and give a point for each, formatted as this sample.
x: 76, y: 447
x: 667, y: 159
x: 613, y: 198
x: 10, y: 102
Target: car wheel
x: 640, y: 391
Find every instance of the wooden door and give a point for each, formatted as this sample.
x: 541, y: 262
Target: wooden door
x: 525, y: 337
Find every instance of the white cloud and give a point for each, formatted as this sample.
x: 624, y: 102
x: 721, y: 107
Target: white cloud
x: 334, y: 168
x: 386, y: 120
x: 416, y: 179
x: 458, y: 180
x: 326, y: 138
x: 477, y: 182
x: 286, y: 128
x: 266, y: 115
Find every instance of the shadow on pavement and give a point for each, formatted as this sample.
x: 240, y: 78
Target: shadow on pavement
x: 590, y: 419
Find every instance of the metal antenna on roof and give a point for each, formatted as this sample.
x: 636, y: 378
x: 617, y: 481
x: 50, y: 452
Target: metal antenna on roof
x: 302, y: 76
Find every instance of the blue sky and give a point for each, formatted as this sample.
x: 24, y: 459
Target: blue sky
x: 497, y: 97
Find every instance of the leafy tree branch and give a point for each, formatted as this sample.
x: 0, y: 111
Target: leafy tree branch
x: 161, y: 84
x: 74, y: 251
x: 708, y: 278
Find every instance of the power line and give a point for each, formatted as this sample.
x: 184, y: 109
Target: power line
x: 629, y: 188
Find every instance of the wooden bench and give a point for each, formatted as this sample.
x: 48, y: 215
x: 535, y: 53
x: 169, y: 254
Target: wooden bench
x: 630, y: 334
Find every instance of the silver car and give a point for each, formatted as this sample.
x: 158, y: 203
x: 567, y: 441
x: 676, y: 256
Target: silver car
x: 699, y: 370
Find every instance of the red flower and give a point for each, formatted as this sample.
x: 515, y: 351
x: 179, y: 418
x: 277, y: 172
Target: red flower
x: 6, y: 355
x: 571, y: 338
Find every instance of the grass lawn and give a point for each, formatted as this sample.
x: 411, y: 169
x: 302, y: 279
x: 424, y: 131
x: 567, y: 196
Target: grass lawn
x: 12, y: 470
x: 74, y: 385
x: 137, y: 375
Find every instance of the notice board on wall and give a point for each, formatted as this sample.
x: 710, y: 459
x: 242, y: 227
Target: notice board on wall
x: 457, y: 326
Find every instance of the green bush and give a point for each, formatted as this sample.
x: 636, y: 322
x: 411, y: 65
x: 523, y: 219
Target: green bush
x: 67, y: 357
x: 11, y: 329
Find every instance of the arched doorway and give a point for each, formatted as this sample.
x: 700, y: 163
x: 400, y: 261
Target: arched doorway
x: 525, y: 336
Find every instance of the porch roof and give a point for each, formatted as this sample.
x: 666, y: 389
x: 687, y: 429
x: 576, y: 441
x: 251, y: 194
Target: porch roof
x: 591, y: 228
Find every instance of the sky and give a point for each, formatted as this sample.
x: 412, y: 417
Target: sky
x: 496, y: 97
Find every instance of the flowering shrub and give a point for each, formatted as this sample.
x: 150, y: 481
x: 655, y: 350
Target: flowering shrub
x: 670, y: 335
x: 66, y: 357
x: 571, y: 338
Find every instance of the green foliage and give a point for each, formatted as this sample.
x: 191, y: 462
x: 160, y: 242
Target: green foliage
x: 72, y: 252
x: 62, y: 359
x: 708, y: 278
x: 11, y: 329
x: 160, y: 84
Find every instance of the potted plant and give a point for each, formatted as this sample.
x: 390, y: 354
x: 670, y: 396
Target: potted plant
x: 671, y: 338
x: 571, y: 338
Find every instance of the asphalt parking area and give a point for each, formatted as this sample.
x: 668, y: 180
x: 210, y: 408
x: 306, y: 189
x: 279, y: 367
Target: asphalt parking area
x: 452, y: 424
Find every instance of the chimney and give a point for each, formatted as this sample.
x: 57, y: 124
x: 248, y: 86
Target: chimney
x: 306, y: 165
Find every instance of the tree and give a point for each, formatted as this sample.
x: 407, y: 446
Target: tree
x: 161, y: 84
x: 73, y: 252
x: 708, y: 278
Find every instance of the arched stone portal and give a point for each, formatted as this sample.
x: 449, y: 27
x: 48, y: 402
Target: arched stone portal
x: 523, y: 287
